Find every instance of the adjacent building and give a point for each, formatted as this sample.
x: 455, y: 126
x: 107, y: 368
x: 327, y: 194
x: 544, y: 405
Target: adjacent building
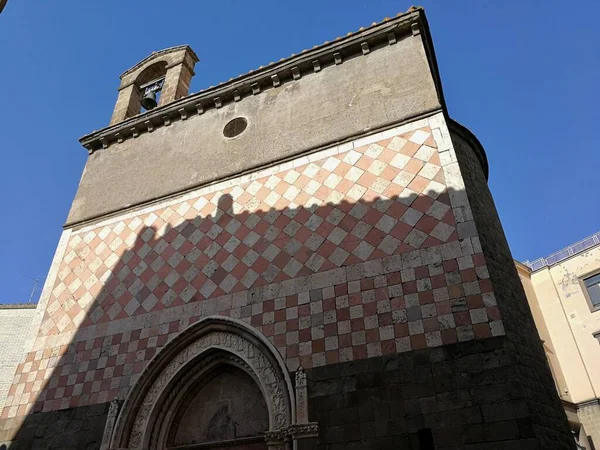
x: 16, y: 322
x: 307, y: 256
x: 564, y: 293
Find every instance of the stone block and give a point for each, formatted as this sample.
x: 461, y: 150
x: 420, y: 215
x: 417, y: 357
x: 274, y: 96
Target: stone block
x: 496, y: 412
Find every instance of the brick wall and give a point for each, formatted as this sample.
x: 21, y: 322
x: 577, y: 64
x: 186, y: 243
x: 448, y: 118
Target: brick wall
x: 15, y: 329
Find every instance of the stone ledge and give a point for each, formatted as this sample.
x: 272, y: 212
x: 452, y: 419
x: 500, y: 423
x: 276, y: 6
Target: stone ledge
x: 18, y: 306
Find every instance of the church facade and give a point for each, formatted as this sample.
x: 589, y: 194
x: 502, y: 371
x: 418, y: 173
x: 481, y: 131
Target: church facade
x: 306, y: 256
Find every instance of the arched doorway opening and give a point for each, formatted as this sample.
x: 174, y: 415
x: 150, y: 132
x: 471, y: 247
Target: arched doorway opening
x: 218, y: 384
x: 225, y: 409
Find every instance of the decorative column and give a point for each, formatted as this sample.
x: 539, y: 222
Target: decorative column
x: 302, y: 429
x: 113, y: 410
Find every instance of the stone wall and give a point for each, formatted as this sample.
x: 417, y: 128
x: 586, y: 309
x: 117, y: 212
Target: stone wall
x: 15, y: 327
x: 343, y: 258
x: 320, y: 110
x: 589, y: 415
x: 523, y: 339
x: 460, y: 396
x: 68, y: 429
x: 347, y: 253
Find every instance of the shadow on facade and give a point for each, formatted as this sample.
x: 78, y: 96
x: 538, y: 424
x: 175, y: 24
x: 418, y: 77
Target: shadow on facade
x: 101, y: 363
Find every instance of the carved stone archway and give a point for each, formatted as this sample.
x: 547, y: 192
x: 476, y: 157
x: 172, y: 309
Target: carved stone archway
x: 143, y: 421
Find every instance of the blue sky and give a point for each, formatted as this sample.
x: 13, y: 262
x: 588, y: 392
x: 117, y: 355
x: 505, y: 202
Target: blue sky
x: 522, y: 75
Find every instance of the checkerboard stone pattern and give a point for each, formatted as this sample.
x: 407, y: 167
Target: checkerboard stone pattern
x: 347, y: 255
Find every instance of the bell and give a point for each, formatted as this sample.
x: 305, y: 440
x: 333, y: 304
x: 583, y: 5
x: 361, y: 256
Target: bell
x: 149, y: 101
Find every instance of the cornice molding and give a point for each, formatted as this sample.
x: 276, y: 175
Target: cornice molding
x: 18, y: 306
x: 158, y: 54
x: 588, y: 403
x: 472, y: 140
x: 287, y: 70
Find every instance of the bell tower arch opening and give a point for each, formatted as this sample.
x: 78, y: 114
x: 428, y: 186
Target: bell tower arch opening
x: 149, y: 85
x: 168, y: 72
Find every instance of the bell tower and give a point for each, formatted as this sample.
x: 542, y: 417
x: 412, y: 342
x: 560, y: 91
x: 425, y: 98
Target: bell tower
x: 159, y: 79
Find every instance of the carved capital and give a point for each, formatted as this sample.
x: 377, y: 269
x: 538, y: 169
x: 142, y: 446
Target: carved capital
x: 274, y: 439
x: 303, y: 431
x: 300, y: 378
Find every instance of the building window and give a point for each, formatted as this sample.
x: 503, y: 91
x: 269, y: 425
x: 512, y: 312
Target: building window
x: 235, y: 127
x: 592, y: 284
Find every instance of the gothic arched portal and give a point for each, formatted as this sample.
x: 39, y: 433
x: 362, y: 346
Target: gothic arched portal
x: 225, y: 406
x: 218, y: 381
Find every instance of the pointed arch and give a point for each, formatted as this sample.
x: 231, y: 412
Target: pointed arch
x: 143, y: 421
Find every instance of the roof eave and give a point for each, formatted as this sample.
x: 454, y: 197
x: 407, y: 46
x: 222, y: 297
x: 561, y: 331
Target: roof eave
x: 413, y: 21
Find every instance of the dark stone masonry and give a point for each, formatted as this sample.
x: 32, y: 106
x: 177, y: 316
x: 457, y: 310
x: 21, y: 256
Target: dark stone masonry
x: 460, y: 396
x: 78, y: 428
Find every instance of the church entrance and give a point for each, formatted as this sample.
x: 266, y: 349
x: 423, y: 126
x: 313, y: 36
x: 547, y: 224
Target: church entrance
x: 225, y: 410
x: 218, y: 384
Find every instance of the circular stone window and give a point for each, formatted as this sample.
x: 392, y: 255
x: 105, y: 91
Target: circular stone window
x: 235, y: 127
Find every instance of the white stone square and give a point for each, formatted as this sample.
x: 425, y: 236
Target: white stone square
x: 389, y: 244
x: 352, y: 157
x: 407, y: 197
x: 399, y: 161
x: 337, y: 235
x: 356, y: 192
x: 331, y: 164
x: 354, y: 174
x: 478, y: 315
x: 311, y: 187
x: 374, y: 150
x: 419, y: 137
x: 442, y: 231
x: 338, y: 256
x: 425, y: 153
x: 364, y: 249
x: 379, y: 185
x: 396, y: 143
x: 403, y: 344
x: 411, y: 217
x: 434, y: 189
x: 433, y: 339
x: 332, y: 181
x: 386, y: 223
x: 429, y: 171
x: 377, y: 167
x: 415, y: 238
x: 415, y: 327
